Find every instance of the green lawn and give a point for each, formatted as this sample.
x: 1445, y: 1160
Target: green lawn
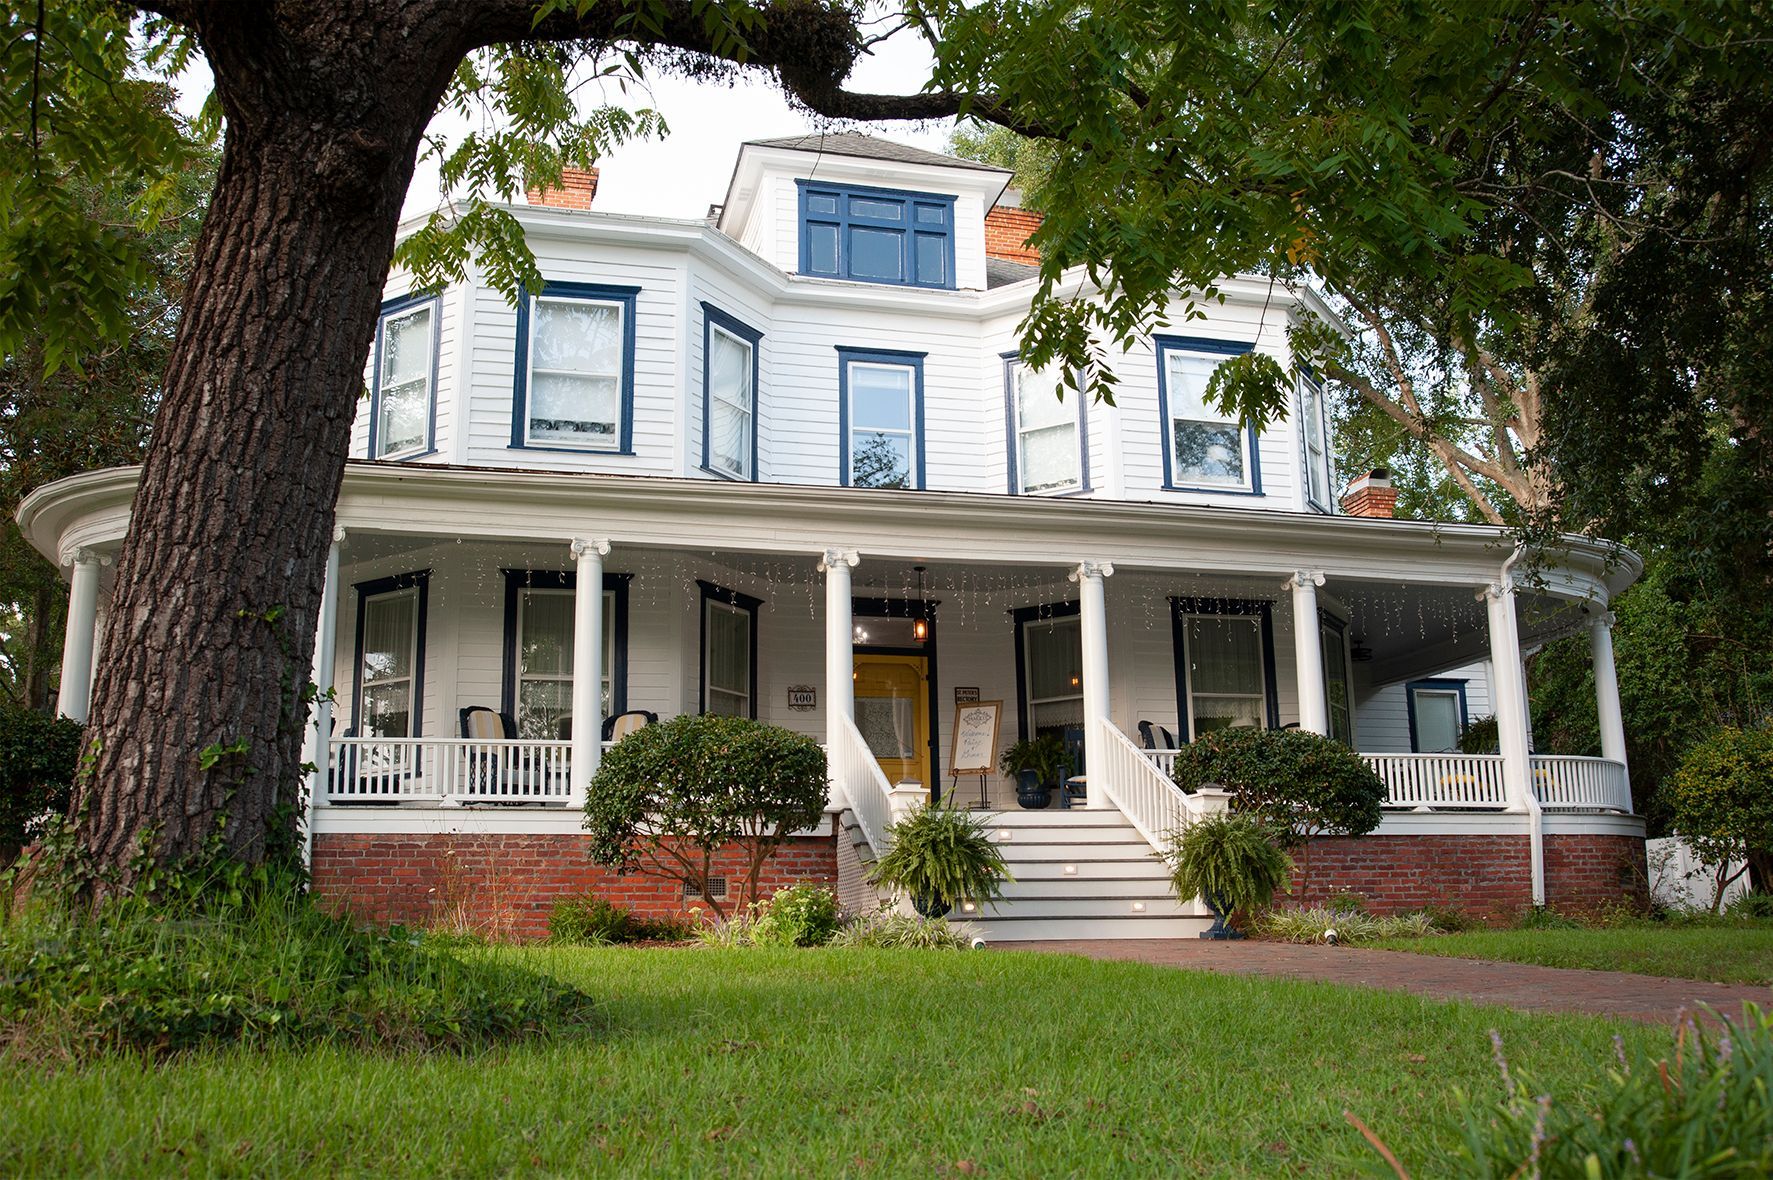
x: 822, y: 1063
x: 1726, y: 954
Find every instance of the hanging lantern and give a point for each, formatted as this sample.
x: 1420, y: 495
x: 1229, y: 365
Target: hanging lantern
x: 920, y: 626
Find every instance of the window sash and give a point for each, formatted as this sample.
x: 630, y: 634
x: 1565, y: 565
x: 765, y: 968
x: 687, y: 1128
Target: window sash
x: 1224, y: 703
x: 545, y: 691
x: 390, y: 658
x: 1225, y: 441
x: 873, y: 432
x: 594, y: 383
x: 1060, y: 468
x: 726, y: 658
x: 1436, y: 709
x: 404, y: 383
x: 732, y: 402
x: 1316, y: 445
x: 1337, y: 699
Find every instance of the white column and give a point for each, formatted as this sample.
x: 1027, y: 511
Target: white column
x: 1510, y: 692
x: 1308, y: 652
x: 319, y: 742
x: 587, y: 747
x: 840, y: 659
x: 1606, y: 687
x: 75, y: 697
x: 1092, y: 609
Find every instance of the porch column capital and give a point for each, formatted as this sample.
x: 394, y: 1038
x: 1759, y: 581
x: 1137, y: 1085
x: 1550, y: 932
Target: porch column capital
x: 338, y: 534
x: 830, y: 559
x: 1302, y: 578
x: 582, y: 546
x: 1494, y: 591
x: 1604, y: 620
x: 83, y: 555
x: 1092, y: 569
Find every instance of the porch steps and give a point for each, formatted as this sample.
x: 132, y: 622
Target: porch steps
x: 1081, y: 873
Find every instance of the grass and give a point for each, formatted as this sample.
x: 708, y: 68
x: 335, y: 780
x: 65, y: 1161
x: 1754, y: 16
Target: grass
x: 830, y: 1062
x: 1735, y: 953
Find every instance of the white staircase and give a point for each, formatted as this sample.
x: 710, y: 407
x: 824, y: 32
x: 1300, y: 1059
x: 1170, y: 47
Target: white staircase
x: 1080, y: 873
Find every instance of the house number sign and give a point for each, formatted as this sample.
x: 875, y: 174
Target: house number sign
x: 803, y: 697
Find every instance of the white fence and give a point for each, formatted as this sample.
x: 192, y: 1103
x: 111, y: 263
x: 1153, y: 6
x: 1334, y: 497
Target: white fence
x: 448, y: 770
x: 1565, y: 783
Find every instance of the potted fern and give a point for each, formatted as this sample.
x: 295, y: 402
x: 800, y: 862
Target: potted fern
x: 1038, y: 765
x: 1230, y: 862
x: 940, y: 855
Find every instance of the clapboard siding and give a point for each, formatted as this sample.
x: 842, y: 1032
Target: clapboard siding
x: 1383, y: 712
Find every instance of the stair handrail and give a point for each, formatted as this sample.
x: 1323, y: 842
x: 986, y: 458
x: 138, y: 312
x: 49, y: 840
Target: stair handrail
x: 864, y: 784
x: 1150, y: 799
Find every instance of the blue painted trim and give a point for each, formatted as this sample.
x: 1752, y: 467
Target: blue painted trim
x: 421, y: 579
x: 1166, y: 434
x: 392, y: 307
x: 1012, y: 424
x: 911, y: 608
x: 1443, y: 685
x: 628, y: 298
x: 746, y: 603
x: 843, y: 221
x: 1311, y: 501
x: 713, y: 317
x: 1340, y: 627
x: 617, y: 584
x: 1024, y: 615
x: 883, y: 356
x: 1180, y: 608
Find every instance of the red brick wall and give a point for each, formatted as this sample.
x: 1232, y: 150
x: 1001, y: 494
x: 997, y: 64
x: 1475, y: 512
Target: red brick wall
x: 578, y: 188
x: 1006, y: 234
x: 1488, y: 877
x: 504, y: 884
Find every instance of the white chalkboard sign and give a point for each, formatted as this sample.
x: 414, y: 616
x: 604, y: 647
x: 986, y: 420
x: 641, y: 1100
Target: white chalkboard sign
x: 975, y: 738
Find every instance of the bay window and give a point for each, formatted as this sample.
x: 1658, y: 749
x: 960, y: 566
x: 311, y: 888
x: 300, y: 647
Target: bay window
x: 729, y: 408
x: 1046, y: 451
x: 575, y: 369
x: 404, y: 389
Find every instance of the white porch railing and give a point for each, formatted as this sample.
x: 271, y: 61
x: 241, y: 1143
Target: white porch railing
x: 1426, y: 782
x: 1567, y: 783
x: 457, y: 770
x: 864, y: 784
x: 1133, y: 780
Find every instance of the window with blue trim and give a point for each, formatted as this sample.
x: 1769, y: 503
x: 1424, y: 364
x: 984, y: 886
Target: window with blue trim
x: 1046, y: 431
x: 1338, y: 699
x: 540, y: 631
x: 405, y: 379
x: 575, y: 369
x: 1314, y: 442
x: 880, y: 417
x: 1225, y: 676
x: 1437, y: 713
x: 390, y: 683
x: 876, y: 235
x: 1204, y: 450
x: 729, y: 404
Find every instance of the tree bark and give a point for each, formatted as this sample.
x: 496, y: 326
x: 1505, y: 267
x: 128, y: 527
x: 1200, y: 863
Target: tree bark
x: 211, y: 628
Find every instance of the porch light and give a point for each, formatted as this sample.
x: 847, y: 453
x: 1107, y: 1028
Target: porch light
x: 920, y: 626
x: 969, y: 907
x: 1076, y: 680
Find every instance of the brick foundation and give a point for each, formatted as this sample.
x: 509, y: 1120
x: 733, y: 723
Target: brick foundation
x: 1487, y: 877
x: 504, y: 885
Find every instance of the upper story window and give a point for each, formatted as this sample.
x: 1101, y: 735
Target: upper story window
x: 391, y: 655
x: 1315, y: 444
x: 1046, y: 432
x: 404, y: 393
x: 574, y: 387
x: 1203, y: 449
x: 876, y: 235
x: 880, y: 418
x: 729, y: 407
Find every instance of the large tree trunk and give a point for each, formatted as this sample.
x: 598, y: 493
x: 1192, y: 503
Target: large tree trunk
x: 212, y: 627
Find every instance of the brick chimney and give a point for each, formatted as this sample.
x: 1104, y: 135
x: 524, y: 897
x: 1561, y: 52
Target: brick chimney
x: 577, y: 188
x: 1371, y: 495
x: 1007, y: 226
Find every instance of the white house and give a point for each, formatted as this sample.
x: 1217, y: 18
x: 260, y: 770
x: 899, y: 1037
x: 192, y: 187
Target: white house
x: 784, y: 463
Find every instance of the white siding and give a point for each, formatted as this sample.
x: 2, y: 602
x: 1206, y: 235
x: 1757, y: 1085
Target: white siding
x: 1383, y: 716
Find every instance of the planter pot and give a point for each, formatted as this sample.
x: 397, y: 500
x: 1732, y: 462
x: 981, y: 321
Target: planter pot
x: 1220, y: 929
x: 1031, y: 793
x: 930, y: 906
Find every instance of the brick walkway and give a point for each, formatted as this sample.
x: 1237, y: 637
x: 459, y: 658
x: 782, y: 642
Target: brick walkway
x: 1649, y: 998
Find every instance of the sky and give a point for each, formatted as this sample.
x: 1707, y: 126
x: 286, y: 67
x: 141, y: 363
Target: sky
x: 683, y: 173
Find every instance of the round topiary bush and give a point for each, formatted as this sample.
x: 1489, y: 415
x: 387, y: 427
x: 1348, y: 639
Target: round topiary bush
x: 1300, y: 784
x: 667, y: 799
x: 1721, y: 799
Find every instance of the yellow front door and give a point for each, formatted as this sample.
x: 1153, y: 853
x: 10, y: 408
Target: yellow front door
x: 893, y: 713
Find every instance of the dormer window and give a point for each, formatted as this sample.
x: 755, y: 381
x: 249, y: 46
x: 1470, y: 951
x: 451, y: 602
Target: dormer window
x: 875, y: 235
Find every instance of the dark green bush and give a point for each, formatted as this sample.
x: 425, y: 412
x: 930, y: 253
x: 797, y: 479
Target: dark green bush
x: 243, y: 956
x: 1721, y: 798
x: 39, y: 754
x: 668, y: 798
x: 1705, y: 1109
x: 1300, y: 784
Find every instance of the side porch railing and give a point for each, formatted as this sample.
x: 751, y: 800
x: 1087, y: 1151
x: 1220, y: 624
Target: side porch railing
x: 851, y: 763
x: 448, y: 770
x: 1568, y: 783
x: 1141, y: 787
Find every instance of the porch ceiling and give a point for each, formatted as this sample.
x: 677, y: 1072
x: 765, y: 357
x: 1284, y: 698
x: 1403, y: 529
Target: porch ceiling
x: 1412, y: 629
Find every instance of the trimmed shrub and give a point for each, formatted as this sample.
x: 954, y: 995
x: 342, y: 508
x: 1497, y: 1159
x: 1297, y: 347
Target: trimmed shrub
x: 667, y: 798
x: 941, y: 855
x: 888, y: 929
x: 1721, y: 798
x: 1229, y: 860
x: 39, y: 754
x: 1300, y: 784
